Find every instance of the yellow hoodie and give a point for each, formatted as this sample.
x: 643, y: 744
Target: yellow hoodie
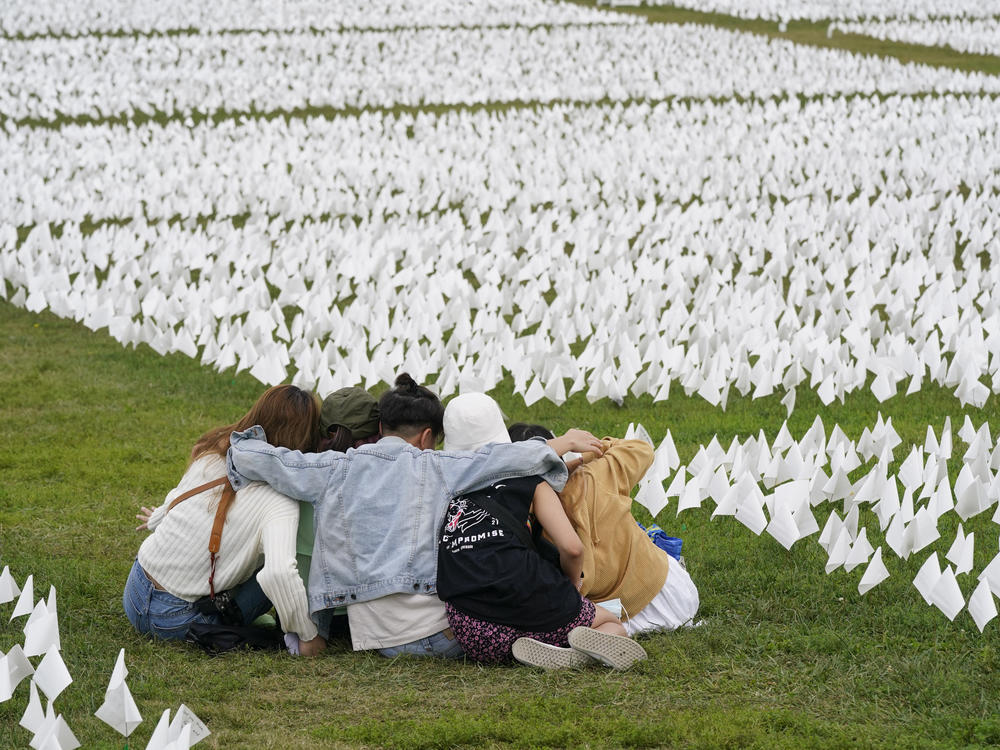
x: 620, y: 561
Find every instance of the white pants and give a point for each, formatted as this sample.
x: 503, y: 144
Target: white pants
x: 675, y: 606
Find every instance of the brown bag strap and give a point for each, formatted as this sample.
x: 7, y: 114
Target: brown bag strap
x: 196, y: 491
x: 215, y: 540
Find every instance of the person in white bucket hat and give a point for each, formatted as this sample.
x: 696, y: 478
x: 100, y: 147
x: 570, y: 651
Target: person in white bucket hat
x: 504, y: 601
x: 471, y: 421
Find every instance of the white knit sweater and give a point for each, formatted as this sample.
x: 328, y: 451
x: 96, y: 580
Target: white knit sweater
x: 260, y: 528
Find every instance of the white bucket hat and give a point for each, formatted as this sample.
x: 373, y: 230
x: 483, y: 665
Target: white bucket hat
x: 472, y: 420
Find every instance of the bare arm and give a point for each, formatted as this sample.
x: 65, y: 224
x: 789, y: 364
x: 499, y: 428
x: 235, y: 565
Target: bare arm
x: 549, y: 512
x: 579, y: 441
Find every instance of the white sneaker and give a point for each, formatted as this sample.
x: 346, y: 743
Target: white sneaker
x: 617, y: 651
x: 537, y: 654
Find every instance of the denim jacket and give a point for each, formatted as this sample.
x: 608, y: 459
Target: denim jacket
x: 379, y: 508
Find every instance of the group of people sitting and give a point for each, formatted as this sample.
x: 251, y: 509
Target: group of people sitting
x: 343, y: 516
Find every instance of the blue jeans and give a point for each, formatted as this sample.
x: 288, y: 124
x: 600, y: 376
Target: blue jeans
x: 439, y: 644
x: 163, y: 615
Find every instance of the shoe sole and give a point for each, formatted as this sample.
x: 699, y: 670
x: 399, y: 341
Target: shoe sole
x: 537, y: 654
x: 616, y: 651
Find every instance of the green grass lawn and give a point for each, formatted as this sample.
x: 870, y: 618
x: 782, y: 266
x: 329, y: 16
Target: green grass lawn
x: 787, y: 657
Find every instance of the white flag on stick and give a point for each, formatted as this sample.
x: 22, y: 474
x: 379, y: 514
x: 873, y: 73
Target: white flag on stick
x: 981, y: 605
x: 52, y: 676
x: 8, y: 586
x: 26, y: 601
x: 875, y: 573
x: 185, y: 717
x: 33, y: 716
x: 119, y: 710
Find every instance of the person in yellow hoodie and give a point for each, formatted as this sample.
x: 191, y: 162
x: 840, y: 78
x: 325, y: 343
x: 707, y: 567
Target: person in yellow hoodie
x: 619, y: 560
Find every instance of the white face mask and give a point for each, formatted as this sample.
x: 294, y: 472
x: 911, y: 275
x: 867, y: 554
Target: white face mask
x: 570, y: 456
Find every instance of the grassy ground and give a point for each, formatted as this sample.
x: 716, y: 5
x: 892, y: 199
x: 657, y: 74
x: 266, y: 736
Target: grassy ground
x: 788, y: 657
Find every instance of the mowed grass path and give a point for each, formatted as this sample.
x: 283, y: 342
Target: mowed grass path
x: 787, y: 657
x: 815, y: 34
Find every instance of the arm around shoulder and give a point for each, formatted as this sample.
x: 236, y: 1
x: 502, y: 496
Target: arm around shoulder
x: 467, y: 471
x: 303, y: 476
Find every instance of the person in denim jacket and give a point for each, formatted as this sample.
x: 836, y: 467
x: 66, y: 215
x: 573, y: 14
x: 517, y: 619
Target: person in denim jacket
x: 378, y: 509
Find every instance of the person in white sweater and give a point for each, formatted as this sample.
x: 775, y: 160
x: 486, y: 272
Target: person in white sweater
x: 174, y: 577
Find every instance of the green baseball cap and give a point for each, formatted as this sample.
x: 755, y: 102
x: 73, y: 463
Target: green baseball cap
x: 353, y: 408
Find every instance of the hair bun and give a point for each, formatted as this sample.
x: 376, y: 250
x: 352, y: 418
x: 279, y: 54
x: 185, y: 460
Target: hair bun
x: 409, y: 406
x: 405, y: 382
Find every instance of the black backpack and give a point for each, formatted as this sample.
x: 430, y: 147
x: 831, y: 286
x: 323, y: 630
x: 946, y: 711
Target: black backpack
x: 218, y: 639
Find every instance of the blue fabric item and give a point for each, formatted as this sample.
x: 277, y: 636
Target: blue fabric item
x: 439, y: 645
x: 669, y: 544
x: 163, y: 615
x: 379, y: 508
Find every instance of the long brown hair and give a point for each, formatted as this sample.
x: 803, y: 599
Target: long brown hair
x: 289, y: 416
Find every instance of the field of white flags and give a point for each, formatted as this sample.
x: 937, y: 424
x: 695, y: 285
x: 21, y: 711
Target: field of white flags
x: 735, y: 214
x: 578, y: 199
x: 48, y: 678
x: 65, y: 18
x: 903, y: 492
